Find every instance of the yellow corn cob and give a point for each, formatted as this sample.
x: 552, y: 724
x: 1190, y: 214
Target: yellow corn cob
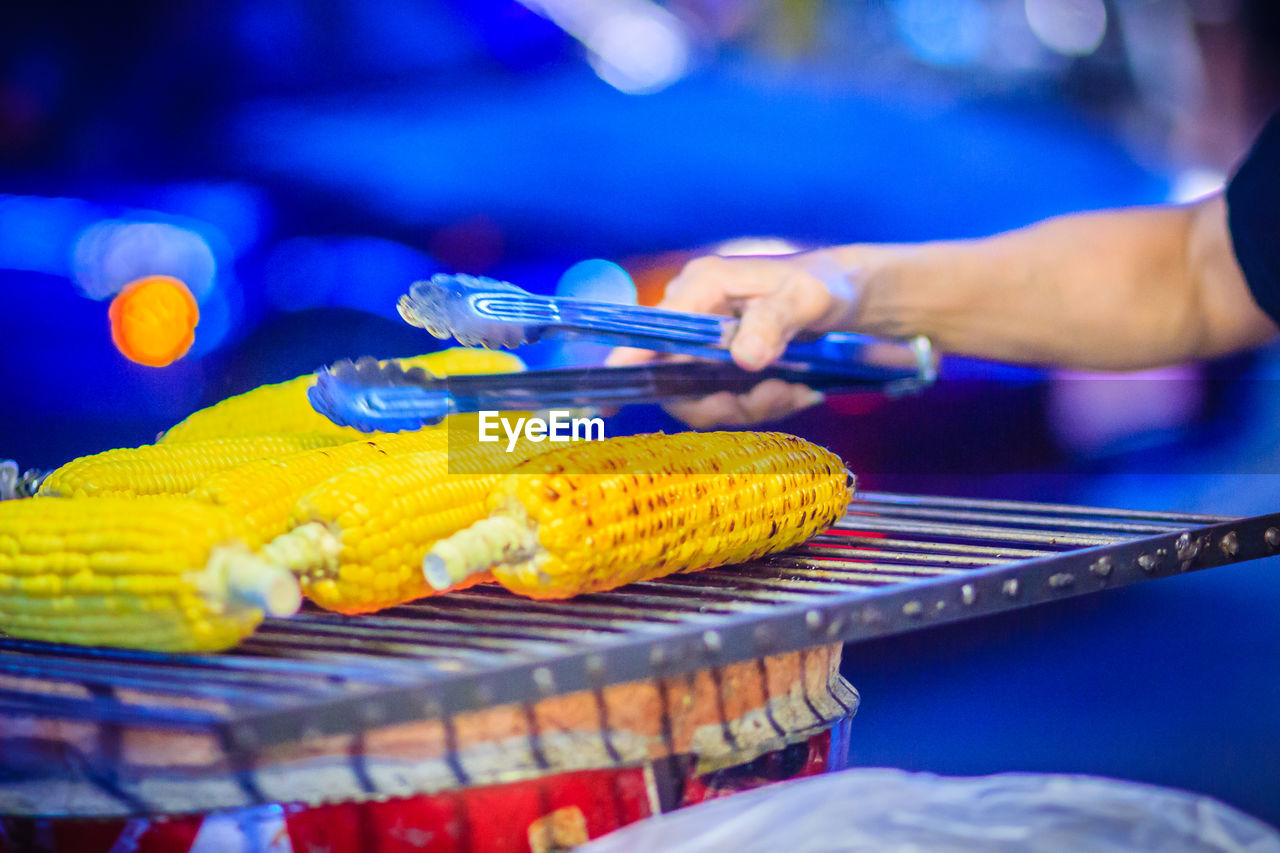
x: 166, y: 574
x: 263, y: 492
x: 162, y: 469
x: 284, y: 407
x: 359, y: 538
x: 597, y: 515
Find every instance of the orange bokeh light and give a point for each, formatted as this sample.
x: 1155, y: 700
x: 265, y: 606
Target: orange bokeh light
x: 153, y: 320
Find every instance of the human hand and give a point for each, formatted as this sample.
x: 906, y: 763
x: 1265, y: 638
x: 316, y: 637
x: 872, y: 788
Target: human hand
x: 775, y: 298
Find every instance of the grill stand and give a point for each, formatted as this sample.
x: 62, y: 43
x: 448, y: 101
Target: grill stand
x: 455, y: 692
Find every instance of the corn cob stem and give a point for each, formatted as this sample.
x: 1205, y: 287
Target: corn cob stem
x: 254, y: 582
x: 311, y: 548
x: 491, y: 541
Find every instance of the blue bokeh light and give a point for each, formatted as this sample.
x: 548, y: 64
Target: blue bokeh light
x: 599, y: 281
x: 943, y: 32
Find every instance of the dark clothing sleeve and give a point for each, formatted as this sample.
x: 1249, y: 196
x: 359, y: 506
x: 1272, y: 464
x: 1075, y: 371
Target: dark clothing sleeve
x: 1253, y: 215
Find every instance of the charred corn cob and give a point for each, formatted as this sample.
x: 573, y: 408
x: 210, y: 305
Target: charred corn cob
x: 597, y: 515
x: 162, y: 469
x: 358, y: 539
x: 263, y: 492
x: 167, y: 574
x: 284, y: 407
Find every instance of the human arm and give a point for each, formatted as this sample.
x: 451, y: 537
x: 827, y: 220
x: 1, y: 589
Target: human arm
x: 1115, y: 290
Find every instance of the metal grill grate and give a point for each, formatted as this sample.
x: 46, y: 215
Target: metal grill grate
x: 894, y: 563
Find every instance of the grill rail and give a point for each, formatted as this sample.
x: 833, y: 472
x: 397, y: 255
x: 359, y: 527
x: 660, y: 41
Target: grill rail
x: 895, y: 563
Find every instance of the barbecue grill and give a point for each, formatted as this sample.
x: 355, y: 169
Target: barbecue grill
x: 323, y: 707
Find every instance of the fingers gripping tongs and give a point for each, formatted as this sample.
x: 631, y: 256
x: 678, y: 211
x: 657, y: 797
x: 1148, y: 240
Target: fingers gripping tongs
x: 495, y: 314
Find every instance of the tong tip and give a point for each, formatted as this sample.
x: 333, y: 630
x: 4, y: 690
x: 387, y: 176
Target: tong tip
x: 374, y: 396
x: 474, y: 310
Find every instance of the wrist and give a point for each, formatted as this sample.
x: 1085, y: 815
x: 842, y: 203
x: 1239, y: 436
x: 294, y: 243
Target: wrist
x: 871, y: 288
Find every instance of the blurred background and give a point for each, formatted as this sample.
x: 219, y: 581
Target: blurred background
x: 297, y: 164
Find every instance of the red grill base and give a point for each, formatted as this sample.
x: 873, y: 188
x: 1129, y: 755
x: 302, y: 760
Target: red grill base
x: 537, y: 815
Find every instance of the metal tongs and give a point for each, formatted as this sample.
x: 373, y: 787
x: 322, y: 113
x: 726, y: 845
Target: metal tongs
x: 369, y: 395
x: 497, y: 314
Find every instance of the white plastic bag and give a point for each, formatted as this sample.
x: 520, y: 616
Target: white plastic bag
x: 892, y: 811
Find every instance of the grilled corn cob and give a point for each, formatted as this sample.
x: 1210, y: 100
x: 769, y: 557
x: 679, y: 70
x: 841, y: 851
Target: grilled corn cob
x: 162, y: 469
x: 358, y: 538
x: 284, y: 407
x: 263, y: 492
x: 167, y: 574
x: 597, y: 515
